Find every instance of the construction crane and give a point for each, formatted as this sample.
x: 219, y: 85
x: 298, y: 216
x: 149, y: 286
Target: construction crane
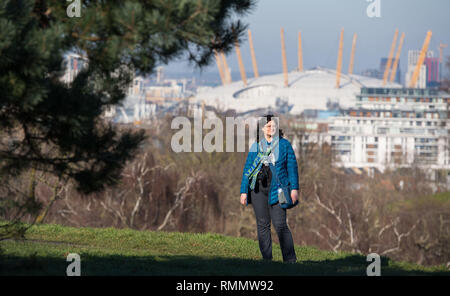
x: 397, y: 57
x: 389, y: 61
x: 219, y: 66
x: 283, y: 55
x: 339, y: 61
x: 241, y: 64
x: 352, y: 56
x: 300, y: 52
x: 252, y: 51
x: 441, y: 47
x: 424, y: 50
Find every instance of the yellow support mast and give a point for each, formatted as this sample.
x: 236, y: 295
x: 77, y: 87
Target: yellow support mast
x: 300, y: 52
x: 423, y: 52
x: 226, y: 69
x: 241, y: 64
x: 389, y: 61
x: 397, y: 57
x: 352, y: 56
x: 219, y: 66
x: 339, y: 62
x: 252, y: 51
x: 283, y: 55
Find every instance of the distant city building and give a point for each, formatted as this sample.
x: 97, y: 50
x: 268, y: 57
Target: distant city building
x: 137, y: 87
x: 392, y: 128
x: 159, y: 74
x: 146, y: 97
x: 422, y: 81
x: 383, y: 63
x: 373, y: 73
x: 168, y: 90
x: 433, y: 71
x: 413, y: 56
x: 73, y: 63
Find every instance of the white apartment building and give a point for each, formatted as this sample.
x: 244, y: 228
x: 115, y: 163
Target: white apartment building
x: 421, y: 81
x: 73, y: 65
x: 137, y: 87
x: 413, y: 57
x: 393, y: 127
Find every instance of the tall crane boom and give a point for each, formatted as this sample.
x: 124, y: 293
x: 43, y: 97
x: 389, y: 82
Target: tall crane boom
x: 283, y: 55
x: 424, y: 50
x: 352, y: 56
x: 397, y: 57
x: 389, y: 61
x: 300, y: 52
x: 339, y: 62
x: 252, y: 51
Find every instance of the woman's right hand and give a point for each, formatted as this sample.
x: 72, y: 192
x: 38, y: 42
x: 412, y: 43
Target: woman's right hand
x: 244, y: 199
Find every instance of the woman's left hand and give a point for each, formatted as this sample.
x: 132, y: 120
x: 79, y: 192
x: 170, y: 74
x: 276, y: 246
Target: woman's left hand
x: 294, y: 195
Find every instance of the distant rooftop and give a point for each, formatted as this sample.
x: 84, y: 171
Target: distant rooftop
x: 310, y: 89
x: 403, y: 91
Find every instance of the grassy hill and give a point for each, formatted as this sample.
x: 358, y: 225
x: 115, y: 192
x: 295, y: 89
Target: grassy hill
x: 108, y: 251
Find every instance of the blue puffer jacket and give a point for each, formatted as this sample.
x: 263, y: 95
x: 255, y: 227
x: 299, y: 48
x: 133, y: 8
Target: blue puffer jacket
x: 285, y: 164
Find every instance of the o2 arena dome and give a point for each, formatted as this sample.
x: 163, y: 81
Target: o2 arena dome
x: 309, y: 89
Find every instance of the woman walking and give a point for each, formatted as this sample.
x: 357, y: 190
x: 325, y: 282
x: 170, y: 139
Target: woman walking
x: 270, y: 184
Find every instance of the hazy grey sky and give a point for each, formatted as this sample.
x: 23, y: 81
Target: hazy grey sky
x: 320, y: 22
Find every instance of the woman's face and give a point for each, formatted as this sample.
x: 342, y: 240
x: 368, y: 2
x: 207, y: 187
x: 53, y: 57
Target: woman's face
x: 270, y: 128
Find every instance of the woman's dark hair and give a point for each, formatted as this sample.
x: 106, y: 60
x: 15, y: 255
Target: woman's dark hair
x: 262, y: 122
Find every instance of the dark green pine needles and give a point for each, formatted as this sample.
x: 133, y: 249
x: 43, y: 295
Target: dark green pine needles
x: 55, y: 127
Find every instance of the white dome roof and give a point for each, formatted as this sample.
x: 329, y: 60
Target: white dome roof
x: 310, y: 89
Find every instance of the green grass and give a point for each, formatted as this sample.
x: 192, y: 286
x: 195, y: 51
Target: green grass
x: 442, y: 197
x: 109, y: 251
x: 438, y: 200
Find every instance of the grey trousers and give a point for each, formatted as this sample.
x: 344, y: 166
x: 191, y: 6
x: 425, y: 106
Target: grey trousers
x: 264, y: 213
